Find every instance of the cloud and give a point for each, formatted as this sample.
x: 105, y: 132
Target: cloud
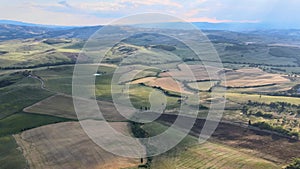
x: 55, y: 7
x: 215, y: 20
x: 200, y: 1
x: 39, y: 15
x: 153, y: 2
x: 79, y: 7
x: 194, y: 12
x: 207, y: 19
x: 78, y: 12
x: 64, y: 3
x: 100, y: 6
x: 108, y: 6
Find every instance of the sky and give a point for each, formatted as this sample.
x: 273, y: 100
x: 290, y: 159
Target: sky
x: 99, y: 12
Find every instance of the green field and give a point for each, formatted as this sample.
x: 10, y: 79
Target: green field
x: 139, y: 96
x: 62, y: 106
x: 244, y: 98
x: 32, y: 52
x: 59, y: 79
x: 10, y: 156
x: 254, y: 54
x: 215, y: 156
x: 17, y: 55
x: 23, y: 121
x: 202, y: 86
x: 25, y: 104
x: 25, y: 92
x: 189, y: 155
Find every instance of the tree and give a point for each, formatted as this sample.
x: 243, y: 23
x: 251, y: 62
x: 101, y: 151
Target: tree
x: 295, y: 164
x: 245, y: 110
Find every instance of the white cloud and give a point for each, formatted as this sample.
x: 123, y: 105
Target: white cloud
x: 215, y: 20
x: 100, y: 6
x: 153, y: 2
x: 193, y: 12
x: 36, y: 13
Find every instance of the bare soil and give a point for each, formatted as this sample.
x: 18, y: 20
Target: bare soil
x: 66, y: 145
x: 251, y: 77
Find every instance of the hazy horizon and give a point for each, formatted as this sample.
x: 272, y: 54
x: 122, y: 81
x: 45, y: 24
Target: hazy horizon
x: 92, y: 12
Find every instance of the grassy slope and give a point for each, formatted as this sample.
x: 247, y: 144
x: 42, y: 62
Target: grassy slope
x: 10, y: 156
x: 32, y: 52
x: 202, y: 86
x: 139, y: 96
x: 189, y: 155
x: 59, y: 79
x: 253, y: 54
x: 24, y: 121
x: 24, y: 93
x: 13, y: 98
x: 243, y: 98
x: 215, y: 156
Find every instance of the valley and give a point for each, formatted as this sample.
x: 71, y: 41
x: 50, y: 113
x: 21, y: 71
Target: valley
x: 260, y: 125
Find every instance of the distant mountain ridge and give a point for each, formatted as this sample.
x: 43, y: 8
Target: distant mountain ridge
x: 20, y: 23
x: 230, y: 26
x: 10, y: 30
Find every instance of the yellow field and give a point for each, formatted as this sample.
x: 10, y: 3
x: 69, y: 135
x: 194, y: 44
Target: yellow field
x: 203, y: 86
x: 166, y: 83
x: 193, y: 72
x: 214, y: 156
x: 191, y: 155
x: 243, y: 98
x: 252, y: 77
x: 33, y: 52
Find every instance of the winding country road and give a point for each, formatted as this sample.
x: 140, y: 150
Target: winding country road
x: 39, y: 79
